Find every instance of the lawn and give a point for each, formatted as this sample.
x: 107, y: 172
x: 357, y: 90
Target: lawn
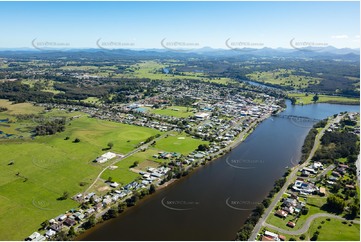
x: 47, y: 166
x: 180, y: 143
x: 335, y: 230
x: 175, y: 111
x: 301, y: 98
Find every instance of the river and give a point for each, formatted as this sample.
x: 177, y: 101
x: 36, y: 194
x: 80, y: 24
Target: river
x: 214, y: 201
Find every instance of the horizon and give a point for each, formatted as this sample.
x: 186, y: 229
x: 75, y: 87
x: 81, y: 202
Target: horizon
x: 184, y: 25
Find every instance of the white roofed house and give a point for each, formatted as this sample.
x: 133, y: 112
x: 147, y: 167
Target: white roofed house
x: 105, y: 157
x: 202, y: 115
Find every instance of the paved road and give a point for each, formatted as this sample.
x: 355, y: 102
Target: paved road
x: 358, y: 169
x: 307, y: 224
x: 290, y: 179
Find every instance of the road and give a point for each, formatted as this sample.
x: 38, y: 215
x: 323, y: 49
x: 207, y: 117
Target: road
x: 307, y: 224
x: 290, y: 179
x: 358, y: 169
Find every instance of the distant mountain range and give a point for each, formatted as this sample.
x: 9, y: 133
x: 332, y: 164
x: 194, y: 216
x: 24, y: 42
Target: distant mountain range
x: 305, y: 52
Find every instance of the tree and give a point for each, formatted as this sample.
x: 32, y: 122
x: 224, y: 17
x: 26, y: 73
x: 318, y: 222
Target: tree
x: 90, y: 223
x: 151, y: 189
x: 304, y: 210
x: 203, y: 147
x: 110, y: 145
x: 135, y: 164
x: 64, y: 196
x: 110, y: 179
x: 44, y: 224
x: 336, y: 202
x: 77, y: 140
x: 71, y: 232
x: 315, y: 98
x: 293, y: 100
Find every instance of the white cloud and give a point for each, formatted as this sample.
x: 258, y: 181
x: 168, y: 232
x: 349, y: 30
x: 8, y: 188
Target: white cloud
x: 357, y: 36
x: 342, y: 36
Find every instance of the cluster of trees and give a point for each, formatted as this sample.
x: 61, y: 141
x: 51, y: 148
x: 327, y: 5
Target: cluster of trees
x: 3, y: 109
x: 336, y: 203
x: 152, y: 138
x: 308, y: 144
x: 337, y: 145
x: 50, y: 127
x: 203, y: 147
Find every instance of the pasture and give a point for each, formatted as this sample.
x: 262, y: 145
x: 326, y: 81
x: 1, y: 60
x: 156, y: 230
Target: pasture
x: 34, y: 173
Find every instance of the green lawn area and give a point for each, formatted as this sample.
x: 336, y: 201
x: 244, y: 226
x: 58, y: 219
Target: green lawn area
x: 49, y: 165
x: 175, y: 111
x: 335, y: 230
x: 303, y: 99
x: 314, y: 204
x: 180, y: 143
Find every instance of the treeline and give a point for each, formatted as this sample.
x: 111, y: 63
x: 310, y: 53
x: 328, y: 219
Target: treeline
x: 50, y: 127
x: 310, y: 140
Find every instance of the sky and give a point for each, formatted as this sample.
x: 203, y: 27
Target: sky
x: 178, y: 24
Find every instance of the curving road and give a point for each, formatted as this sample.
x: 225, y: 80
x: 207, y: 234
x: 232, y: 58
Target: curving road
x: 307, y: 224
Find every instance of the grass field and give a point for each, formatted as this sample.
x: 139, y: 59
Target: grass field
x: 180, y: 143
x: 175, y: 111
x: 335, y: 230
x: 303, y: 99
x: 47, y: 166
x: 284, y: 77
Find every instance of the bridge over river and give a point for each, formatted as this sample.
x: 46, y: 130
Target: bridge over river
x: 297, y: 118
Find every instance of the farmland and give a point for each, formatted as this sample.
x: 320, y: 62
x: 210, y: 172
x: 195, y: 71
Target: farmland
x: 284, y: 77
x: 33, y: 179
x: 302, y: 98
